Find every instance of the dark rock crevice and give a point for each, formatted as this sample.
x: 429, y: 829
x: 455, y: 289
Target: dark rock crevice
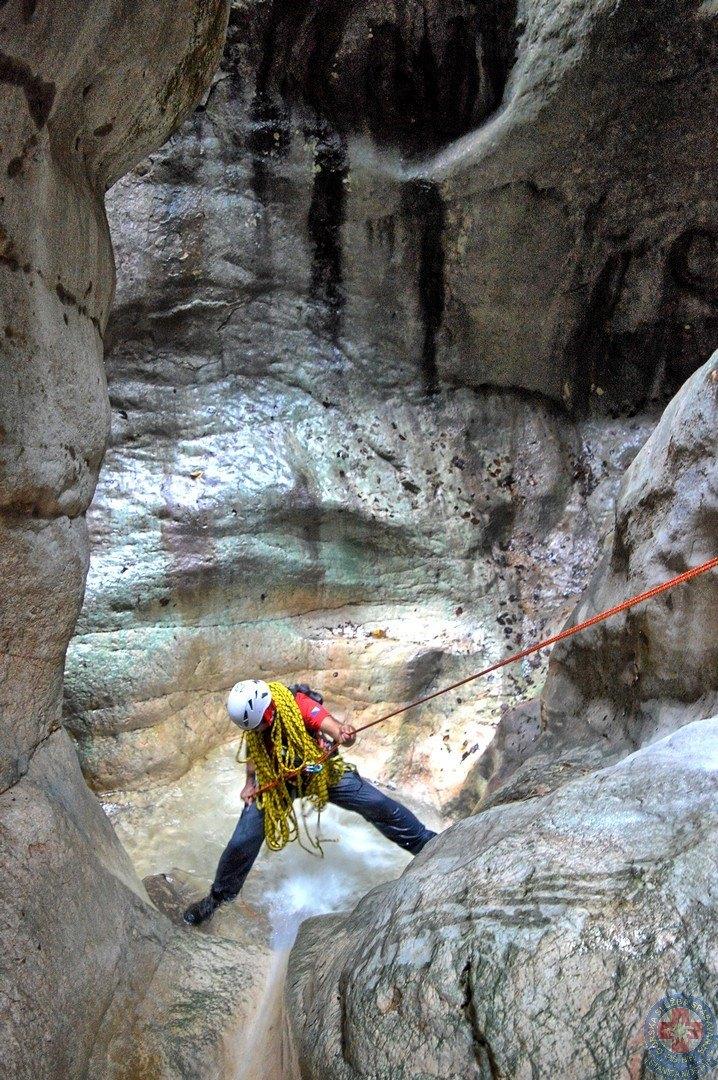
x: 482, y: 1050
x: 693, y: 262
x: 324, y: 224
x: 39, y: 93
x: 621, y: 362
x: 18, y: 769
x: 424, y: 206
x: 499, y: 38
x: 270, y: 113
x: 588, y: 348
x: 417, y: 75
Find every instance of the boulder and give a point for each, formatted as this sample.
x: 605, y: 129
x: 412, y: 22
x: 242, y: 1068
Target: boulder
x: 530, y: 940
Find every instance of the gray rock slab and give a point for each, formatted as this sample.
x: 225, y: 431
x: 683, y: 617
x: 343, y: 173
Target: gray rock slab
x: 530, y: 940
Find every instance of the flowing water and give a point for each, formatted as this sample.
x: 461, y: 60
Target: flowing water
x: 186, y: 825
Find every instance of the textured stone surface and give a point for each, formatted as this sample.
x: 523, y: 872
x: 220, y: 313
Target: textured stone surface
x: 514, y: 740
x: 290, y: 488
x: 95, y: 983
x: 582, y: 221
x: 68, y: 129
x: 194, y: 1013
x: 202, y: 999
x: 645, y: 672
x: 87, y: 90
x: 370, y: 589
x: 531, y: 940
x: 655, y: 667
x: 293, y: 486
x: 299, y: 269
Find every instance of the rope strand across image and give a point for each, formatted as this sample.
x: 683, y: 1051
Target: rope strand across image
x: 601, y: 616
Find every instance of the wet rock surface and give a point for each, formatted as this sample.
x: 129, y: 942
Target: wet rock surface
x: 194, y: 1009
x: 172, y: 892
x: 96, y: 983
x: 292, y: 488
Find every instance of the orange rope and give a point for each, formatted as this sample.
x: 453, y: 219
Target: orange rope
x: 687, y: 575
x: 569, y: 632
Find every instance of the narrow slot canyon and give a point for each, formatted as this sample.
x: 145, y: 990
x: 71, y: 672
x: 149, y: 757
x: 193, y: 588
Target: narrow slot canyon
x: 362, y: 346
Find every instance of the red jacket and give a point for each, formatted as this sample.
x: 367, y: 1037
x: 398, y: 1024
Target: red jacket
x: 312, y: 712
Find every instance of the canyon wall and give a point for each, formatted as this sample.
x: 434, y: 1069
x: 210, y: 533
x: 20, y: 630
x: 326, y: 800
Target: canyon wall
x: 396, y: 308
x: 581, y: 224
x: 318, y: 277
x: 642, y: 674
x: 535, y: 937
x: 93, y: 981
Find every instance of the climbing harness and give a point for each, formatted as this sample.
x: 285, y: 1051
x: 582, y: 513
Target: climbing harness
x: 329, y: 755
x: 295, y: 757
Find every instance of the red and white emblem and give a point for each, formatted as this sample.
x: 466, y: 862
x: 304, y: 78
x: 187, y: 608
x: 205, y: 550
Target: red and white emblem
x: 680, y: 1030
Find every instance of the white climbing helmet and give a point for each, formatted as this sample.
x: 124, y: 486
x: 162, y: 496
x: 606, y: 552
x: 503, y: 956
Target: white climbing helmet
x: 247, y: 703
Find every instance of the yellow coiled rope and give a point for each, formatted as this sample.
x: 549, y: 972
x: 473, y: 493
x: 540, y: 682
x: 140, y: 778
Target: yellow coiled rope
x: 292, y: 748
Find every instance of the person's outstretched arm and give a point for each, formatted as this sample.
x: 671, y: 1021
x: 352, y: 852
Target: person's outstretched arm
x: 343, y: 734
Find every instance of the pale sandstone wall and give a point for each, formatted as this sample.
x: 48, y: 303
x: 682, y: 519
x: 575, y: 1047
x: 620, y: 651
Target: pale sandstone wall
x: 299, y: 480
x: 93, y: 981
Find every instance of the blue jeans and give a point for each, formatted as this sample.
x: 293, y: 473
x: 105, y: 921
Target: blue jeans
x: 351, y: 793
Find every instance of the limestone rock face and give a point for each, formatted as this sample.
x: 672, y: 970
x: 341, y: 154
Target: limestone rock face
x: 318, y: 279
x: 532, y: 939
x: 200, y: 1006
x: 582, y: 221
x: 643, y: 673
x: 87, y: 90
x: 68, y: 129
x: 95, y: 982
x: 290, y: 488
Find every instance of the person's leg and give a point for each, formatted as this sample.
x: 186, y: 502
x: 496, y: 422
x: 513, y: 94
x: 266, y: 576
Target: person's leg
x: 391, y: 818
x: 234, y: 865
x: 238, y: 856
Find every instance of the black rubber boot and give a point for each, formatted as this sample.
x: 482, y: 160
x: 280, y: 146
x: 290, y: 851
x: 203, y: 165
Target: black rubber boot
x: 201, y: 910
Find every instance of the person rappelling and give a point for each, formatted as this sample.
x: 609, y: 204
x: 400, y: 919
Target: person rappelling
x: 290, y: 740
